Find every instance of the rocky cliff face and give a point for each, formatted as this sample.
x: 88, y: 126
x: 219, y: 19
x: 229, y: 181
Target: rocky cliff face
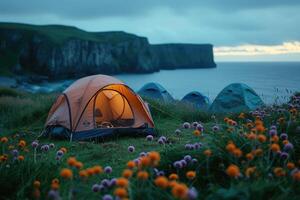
x: 172, y: 56
x: 67, y: 52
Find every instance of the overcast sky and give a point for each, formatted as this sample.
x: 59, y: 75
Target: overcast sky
x: 239, y: 29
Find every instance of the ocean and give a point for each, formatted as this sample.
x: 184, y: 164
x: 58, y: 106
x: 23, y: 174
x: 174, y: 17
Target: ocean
x: 273, y: 81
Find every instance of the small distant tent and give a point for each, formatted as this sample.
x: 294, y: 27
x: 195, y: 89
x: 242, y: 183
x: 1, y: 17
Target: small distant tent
x: 196, y: 99
x: 236, y: 97
x: 155, y: 91
x: 96, y: 106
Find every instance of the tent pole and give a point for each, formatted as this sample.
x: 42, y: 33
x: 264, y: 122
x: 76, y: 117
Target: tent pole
x: 71, y: 137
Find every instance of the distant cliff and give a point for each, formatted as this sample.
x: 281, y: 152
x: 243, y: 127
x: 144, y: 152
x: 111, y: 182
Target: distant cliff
x: 59, y: 52
x: 172, y: 56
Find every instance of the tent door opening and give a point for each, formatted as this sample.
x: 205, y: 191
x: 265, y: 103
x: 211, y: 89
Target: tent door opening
x: 112, y: 109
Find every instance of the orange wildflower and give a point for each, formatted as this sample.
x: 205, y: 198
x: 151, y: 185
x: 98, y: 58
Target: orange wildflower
x: 90, y: 171
x: 180, y: 191
x: 251, y: 136
x: 145, y: 161
x: 249, y: 156
x: 97, y: 169
x: 142, y: 175
x: 54, y: 186
x: 122, y: 182
x: 83, y: 174
x: 36, y: 184
x: 4, y: 140
x: 22, y: 143
x: 208, y: 153
x: 197, y: 133
x: 250, y: 171
x: 191, y: 175
x: 154, y: 157
x: 258, y: 152
x: 161, y: 182
x: 72, y: 161
x: 66, y: 173
x: 285, y: 142
x: 230, y: 147
x: 290, y: 165
x: 63, y: 149
x: 261, y: 138
x: 237, y: 153
x: 278, y: 171
x: 130, y: 164
x: 173, y: 176
x: 275, y: 148
x: 78, y: 165
x: 21, y: 158
x: 275, y: 139
x: 296, y: 176
x: 127, y: 173
x: 233, y: 171
x: 121, y: 192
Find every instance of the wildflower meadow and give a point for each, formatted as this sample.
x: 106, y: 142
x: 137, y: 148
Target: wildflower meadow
x: 195, y: 155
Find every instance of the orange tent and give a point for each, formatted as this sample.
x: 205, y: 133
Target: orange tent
x: 99, y: 105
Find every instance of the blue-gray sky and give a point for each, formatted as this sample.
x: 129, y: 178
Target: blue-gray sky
x: 239, y: 29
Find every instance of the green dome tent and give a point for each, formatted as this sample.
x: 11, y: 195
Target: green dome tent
x: 196, y: 99
x: 236, y: 97
x: 155, y: 91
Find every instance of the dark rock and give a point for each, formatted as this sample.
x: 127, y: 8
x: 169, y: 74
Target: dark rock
x: 172, y: 56
x: 60, y: 52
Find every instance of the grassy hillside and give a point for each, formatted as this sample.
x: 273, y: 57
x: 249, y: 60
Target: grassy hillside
x: 235, y: 160
x: 60, y: 33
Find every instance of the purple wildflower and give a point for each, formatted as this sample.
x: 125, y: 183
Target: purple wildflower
x: 283, y: 136
x: 54, y: 195
x: 131, y: 149
x: 195, y: 124
x: 15, y: 152
x: 160, y: 141
x: 187, y: 158
x: 186, y: 125
x: 288, y: 147
x: 149, y: 137
x: 200, y: 127
x: 105, y: 182
x: 215, y: 128
x: 34, y: 144
x: 96, y: 188
x: 142, y: 154
x: 108, y: 169
x: 194, y: 160
x: 112, y: 182
x: 177, y: 131
x: 177, y: 164
x: 272, y: 132
x: 192, y: 194
x: 183, y: 163
x: 107, y: 197
x: 284, y: 155
x: 187, y: 146
x: 59, y: 153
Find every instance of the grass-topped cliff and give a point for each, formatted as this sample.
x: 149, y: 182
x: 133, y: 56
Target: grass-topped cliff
x: 245, y: 156
x: 60, y: 51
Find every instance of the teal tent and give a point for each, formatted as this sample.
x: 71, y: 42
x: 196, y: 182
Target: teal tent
x: 155, y: 91
x: 236, y: 97
x: 196, y: 99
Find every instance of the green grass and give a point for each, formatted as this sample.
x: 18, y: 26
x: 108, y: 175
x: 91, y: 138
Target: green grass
x: 22, y: 116
x: 60, y: 33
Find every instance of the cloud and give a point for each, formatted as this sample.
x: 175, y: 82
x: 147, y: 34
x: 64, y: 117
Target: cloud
x: 222, y: 23
x: 250, y: 50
